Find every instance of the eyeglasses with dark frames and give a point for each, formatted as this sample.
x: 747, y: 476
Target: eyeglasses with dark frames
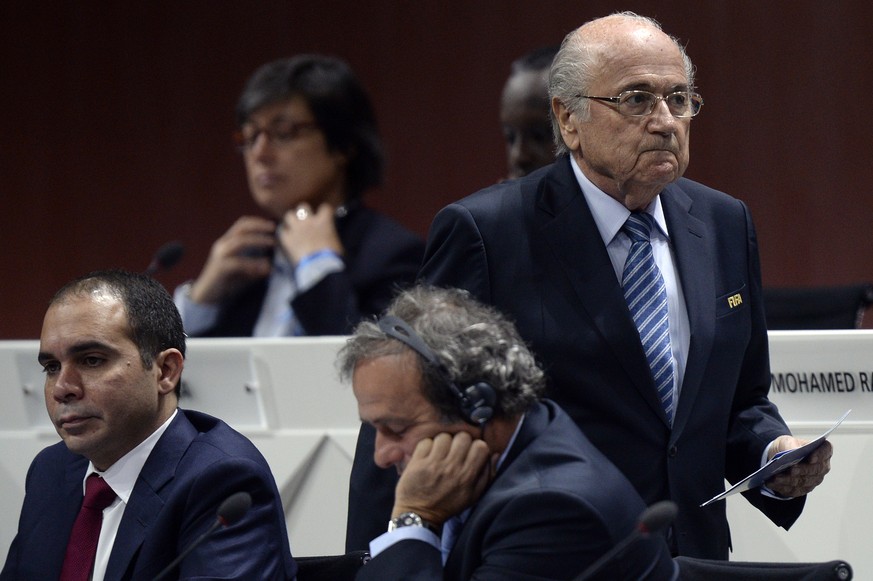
x: 281, y: 134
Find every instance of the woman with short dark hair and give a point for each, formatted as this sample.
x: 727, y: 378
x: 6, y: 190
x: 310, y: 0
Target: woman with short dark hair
x: 321, y: 260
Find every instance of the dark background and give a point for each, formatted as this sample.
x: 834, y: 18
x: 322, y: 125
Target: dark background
x: 117, y: 116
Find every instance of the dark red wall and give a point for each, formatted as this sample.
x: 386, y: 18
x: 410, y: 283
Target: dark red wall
x: 117, y: 118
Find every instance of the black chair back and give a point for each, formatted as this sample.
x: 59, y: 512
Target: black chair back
x: 710, y: 570
x: 837, y: 307
x: 331, y: 567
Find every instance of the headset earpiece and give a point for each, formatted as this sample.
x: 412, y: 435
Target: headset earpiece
x: 476, y: 402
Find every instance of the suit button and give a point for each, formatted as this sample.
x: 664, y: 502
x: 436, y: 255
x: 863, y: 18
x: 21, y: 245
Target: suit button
x: 673, y: 451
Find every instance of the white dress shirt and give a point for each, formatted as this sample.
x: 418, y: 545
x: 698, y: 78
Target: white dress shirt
x: 121, y: 477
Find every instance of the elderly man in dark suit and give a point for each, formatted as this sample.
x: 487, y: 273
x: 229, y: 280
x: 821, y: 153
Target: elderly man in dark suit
x: 639, y: 290
x: 552, y: 250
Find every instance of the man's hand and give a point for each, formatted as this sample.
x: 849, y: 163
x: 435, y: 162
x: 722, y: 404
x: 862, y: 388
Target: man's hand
x: 240, y: 256
x: 801, y: 478
x: 445, y: 475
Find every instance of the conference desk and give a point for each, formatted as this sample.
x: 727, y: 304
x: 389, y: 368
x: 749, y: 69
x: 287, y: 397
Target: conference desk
x: 285, y: 395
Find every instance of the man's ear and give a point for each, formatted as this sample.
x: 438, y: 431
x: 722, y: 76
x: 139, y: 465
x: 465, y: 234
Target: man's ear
x: 169, y: 363
x: 566, y: 122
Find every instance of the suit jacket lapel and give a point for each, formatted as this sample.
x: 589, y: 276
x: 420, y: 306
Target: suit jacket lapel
x: 62, y: 513
x: 536, y: 421
x: 147, y: 498
x: 694, y: 263
x: 577, y: 254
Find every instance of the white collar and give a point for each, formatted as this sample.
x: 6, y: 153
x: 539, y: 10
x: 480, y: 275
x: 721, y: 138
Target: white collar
x: 122, y: 475
x: 609, y: 214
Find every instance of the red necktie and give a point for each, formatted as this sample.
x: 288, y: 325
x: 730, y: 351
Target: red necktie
x: 79, y: 559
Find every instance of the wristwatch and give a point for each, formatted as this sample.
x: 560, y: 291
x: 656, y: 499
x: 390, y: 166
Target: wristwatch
x: 411, y: 519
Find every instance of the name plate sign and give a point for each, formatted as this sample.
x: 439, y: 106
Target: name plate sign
x: 817, y: 375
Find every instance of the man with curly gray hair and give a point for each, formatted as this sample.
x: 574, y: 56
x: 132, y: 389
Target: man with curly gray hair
x: 494, y: 482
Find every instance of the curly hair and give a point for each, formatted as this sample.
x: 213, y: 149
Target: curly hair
x: 472, y: 342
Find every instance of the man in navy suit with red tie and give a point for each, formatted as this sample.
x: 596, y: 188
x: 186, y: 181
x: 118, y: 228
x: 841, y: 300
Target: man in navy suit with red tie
x: 112, y: 348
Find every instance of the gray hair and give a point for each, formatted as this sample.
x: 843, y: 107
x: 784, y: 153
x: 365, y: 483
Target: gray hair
x: 473, y: 342
x: 574, y: 68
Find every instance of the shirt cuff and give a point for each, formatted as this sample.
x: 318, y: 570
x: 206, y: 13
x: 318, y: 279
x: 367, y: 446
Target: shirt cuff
x: 197, y: 318
x: 386, y: 540
x: 764, y: 490
x: 313, y: 267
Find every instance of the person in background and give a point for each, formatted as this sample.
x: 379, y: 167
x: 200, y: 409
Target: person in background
x: 524, y: 113
x: 136, y: 481
x: 495, y: 483
x: 320, y: 260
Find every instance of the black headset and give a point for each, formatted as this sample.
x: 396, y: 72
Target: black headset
x: 476, y: 402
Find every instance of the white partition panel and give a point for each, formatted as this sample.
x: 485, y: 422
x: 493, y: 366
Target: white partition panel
x: 284, y: 394
x: 816, y: 377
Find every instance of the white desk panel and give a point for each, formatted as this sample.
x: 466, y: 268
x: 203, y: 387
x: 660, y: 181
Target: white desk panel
x: 285, y: 395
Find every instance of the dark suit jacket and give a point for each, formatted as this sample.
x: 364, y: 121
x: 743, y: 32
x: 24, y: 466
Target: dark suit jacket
x: 531, y: 248
x: 555, y: 506
x: 380, y: 256
x: 197, y: 463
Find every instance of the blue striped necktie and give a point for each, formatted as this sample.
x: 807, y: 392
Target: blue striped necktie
x: 646, y: 298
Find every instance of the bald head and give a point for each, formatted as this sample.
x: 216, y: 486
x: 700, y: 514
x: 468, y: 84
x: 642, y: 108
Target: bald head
x: 591, y: 49
x: 615, y: 85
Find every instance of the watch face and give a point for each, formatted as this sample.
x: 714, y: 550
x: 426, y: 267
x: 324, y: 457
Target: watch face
x: 407, y: 519
x: 411, y: 519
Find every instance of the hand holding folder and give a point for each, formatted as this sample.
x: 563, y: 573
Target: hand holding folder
x: 778, y: 463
